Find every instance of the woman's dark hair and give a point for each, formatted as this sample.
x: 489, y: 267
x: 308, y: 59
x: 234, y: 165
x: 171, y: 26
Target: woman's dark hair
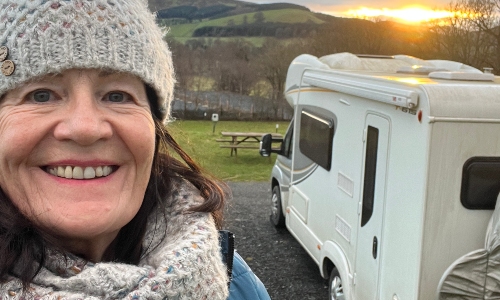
x: 165, y: 169
x: 23, y: 246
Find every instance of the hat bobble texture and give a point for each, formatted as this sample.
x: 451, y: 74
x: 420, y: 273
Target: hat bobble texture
x: 49, y: 36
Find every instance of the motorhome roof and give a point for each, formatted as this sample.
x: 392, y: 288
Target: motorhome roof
x: 417, y: 79
x: 393, y: 64
x: 376, y: 79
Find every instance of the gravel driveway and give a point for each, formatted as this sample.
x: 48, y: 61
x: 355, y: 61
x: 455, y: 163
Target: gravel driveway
x: 275, y: 256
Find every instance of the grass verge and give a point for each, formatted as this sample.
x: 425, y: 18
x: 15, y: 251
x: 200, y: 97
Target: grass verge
x: 197, y: 139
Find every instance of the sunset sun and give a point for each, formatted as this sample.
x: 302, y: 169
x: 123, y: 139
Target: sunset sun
x: 406, y: 14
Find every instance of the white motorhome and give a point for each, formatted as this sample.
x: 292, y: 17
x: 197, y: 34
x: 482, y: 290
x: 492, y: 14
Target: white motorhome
x: 389, y: 172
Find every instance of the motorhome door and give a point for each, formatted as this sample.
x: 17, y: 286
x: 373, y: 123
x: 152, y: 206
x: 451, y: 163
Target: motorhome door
x: 371, y: 207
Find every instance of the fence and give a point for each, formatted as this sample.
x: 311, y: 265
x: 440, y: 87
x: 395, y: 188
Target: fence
x: 201, y: 105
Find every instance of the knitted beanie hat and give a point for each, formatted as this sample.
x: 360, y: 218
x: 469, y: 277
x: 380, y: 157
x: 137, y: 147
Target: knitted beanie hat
x: 38, y: 37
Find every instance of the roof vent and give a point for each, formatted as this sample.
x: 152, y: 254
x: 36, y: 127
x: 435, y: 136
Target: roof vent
x: 457, y: 75
x: 488, y: 70
x: 419, y: 69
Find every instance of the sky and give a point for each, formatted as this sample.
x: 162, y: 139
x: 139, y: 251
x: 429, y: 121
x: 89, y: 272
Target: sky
x: 346, y: 8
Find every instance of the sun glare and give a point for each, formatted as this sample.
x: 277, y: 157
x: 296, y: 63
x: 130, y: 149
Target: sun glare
x: 407, y: 14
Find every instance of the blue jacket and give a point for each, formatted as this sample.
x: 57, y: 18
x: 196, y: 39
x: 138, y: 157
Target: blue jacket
x: 245, y: 285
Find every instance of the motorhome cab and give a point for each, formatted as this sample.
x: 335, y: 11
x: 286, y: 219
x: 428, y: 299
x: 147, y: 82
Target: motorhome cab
x: 389, y: 174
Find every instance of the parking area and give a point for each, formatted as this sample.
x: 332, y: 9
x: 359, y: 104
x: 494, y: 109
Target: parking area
x: 275, y: 256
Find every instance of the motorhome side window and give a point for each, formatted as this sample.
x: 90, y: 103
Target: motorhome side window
x: 370, y: 174
x: 316, y: 137
x: 480, y: 182
x: 287, y: 142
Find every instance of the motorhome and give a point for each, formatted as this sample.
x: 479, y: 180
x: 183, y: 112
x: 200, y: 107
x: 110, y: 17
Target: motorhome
x: 388, y: 174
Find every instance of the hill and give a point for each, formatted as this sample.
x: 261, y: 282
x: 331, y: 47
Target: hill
x: 283, y: 23
x: 202, y: 9
x: 226, y: 19
x: 231, y: 18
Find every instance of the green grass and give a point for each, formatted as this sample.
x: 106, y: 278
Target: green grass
x: 197, y: 139
x: 183, y: 30
x: 291, y: 16
x: 277, y: 16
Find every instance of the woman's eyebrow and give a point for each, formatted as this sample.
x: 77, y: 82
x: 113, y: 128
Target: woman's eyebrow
x: 45, y: 78
x: 107, y: 73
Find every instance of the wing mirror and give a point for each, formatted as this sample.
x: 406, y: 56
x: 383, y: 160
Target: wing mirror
x: 266, y: 143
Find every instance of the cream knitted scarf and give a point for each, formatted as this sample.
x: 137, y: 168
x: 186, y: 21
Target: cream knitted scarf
x: 186, y: 264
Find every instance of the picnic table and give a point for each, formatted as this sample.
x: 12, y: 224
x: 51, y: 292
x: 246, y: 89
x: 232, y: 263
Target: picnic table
x: 243, y: 140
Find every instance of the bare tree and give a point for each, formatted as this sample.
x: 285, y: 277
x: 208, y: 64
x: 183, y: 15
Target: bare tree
x: 274, y: 60
x: 355, y: 36
x: 486, y: 16
x: 471, y: 35
x: 458, y: 37
x: 231, y: 66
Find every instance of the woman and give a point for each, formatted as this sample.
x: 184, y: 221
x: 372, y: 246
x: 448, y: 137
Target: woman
x: 89, y: 205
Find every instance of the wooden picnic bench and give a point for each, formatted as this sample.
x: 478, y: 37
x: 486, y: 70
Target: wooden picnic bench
x: 242, y: 140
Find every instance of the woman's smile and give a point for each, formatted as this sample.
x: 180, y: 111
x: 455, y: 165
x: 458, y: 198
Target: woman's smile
x: 79, y: 172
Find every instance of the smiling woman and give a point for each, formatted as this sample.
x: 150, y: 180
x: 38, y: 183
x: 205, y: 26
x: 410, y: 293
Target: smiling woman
x: 84, y: 121
x: 89, y: 206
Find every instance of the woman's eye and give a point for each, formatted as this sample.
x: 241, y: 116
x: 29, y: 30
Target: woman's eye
x: 117, y: 97
x: 41, y: 96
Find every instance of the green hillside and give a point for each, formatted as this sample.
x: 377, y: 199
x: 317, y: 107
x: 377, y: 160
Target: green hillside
x: 283, y: 16
x: 290, y: 16
x: 183, y: 31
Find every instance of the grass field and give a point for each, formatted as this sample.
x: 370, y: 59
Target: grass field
x: 197, y: 139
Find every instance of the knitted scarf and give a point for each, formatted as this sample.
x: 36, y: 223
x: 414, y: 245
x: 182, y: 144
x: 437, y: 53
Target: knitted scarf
x: 186, y: 264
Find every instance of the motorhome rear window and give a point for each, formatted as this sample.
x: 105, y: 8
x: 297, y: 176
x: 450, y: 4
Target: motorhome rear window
x: 316, y: 137
x: 480, y: 182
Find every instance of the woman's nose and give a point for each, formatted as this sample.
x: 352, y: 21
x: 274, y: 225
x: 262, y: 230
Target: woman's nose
x: 84, y: 122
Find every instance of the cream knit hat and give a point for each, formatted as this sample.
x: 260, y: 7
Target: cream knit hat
x: 38, y: 37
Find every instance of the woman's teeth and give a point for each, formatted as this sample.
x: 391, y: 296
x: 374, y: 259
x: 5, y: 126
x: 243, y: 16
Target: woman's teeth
x: 79, y: 172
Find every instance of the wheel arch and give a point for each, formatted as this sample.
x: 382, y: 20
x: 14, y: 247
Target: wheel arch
x: 274, y: 182
x: 333, y: 256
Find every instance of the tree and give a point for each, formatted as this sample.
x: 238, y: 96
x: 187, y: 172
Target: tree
x: 355, y: 36
x: 231, y: 66
x: 485, y: 14
x: 273, y: 62
x: 259, y: 17
x: 471, y: 35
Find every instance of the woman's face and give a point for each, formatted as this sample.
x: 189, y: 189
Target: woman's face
x: 76, y: 151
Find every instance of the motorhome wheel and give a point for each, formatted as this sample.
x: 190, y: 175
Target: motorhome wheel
x: 277, y: 217
x: 335, y: 286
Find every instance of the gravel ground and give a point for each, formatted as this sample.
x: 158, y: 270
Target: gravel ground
x: 274, y: 255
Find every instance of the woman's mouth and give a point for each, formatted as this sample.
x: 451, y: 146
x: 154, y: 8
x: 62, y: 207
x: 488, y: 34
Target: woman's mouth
x: 76, y: 172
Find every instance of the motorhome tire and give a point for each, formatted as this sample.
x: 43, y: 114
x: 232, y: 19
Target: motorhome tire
x: 335, y: 287
x: 277, y: 217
